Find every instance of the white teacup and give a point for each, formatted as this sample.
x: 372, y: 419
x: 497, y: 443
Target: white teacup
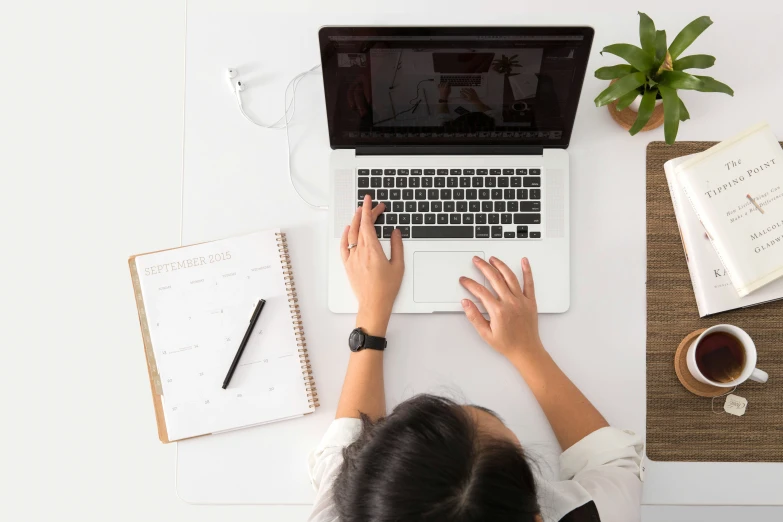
x: 749, y: 370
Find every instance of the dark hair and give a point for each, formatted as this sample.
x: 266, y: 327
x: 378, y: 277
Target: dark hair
x: 427, y: 461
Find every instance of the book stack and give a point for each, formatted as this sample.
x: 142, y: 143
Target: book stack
x: 728, y: 201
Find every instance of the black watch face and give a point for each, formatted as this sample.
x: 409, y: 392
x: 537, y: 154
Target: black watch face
x: 356, y: 340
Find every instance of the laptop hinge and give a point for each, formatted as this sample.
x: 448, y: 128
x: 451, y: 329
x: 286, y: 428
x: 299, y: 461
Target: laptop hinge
x: 450, y: 150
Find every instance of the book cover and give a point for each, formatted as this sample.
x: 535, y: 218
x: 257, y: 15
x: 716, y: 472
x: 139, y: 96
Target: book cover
x: 736, y: 190
x: 712, y: 286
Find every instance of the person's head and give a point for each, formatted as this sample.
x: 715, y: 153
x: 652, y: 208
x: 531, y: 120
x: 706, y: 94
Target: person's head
x: 432, y: 459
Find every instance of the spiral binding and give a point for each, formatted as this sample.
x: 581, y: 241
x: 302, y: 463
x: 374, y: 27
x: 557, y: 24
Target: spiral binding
x: 296, y: 320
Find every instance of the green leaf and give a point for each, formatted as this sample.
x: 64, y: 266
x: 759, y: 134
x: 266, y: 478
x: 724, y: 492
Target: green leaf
x: 615, y: 71
x: 660, y: 46
x: 684, y: 115
x: 694, y: 61
x: 645, y: 111
x: 620, y: 87
x: 631, y: 54
x: 671, y: 113
x: 680, y: 80
x: 647, y: 33
x: 689, y: 33
x: 712, y: 85
x: 626, y: 99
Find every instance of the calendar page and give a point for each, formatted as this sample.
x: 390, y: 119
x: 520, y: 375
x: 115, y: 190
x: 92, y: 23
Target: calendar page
x: 198, y: 301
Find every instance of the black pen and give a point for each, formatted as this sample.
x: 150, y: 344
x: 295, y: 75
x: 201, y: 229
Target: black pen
x: 248, y: 333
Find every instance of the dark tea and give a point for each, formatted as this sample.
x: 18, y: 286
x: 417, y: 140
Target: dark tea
x: 720, y: 357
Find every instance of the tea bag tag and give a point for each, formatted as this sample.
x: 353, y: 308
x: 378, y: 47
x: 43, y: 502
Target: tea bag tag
x: 735, y: 405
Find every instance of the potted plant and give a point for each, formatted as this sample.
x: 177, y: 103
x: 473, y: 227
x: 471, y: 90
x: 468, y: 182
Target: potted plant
x: 506, y: 64
x: 655, y: 73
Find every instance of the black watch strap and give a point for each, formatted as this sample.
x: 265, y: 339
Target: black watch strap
x: 374, y: 343
x: 359, y: 340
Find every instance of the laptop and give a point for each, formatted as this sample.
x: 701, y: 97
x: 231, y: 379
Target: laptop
x: 460, y: 174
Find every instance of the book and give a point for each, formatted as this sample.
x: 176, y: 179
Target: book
x: 712, y: 286
x: 194, y: 306
x: 736, y: 190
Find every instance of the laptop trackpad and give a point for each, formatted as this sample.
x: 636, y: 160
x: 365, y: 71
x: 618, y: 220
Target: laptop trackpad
x: 436, y: 276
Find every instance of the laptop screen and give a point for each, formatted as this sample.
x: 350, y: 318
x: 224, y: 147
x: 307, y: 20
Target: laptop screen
x: 390, y: 86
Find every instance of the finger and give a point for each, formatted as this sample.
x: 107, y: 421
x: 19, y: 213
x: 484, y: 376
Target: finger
x: 351, y: 91
x: 476, y: 319
x: 481, y: 293
x: 366, y: 228
x: 344, y: 252
x: 493, y: 276
x: 353, y: 234
x: 529, y: 289
x: 508, y: 275
x: 377, y: 211
x: 397, y: 258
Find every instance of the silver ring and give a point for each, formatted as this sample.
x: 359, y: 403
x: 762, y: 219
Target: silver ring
x: 352, y: 245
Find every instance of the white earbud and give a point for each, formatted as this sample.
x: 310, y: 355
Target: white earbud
x: 232, y: 76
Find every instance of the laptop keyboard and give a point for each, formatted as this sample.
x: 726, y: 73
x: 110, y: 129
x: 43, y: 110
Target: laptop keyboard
x: 452, y: 203
x: 461, y: 80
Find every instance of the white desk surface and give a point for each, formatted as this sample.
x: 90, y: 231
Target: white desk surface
x: 235, y: 182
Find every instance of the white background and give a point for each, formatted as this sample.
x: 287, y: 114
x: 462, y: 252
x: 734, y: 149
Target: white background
x: 91, y: 112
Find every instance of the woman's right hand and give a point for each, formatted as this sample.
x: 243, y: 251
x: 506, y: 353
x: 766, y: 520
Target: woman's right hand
x: 512, y: 328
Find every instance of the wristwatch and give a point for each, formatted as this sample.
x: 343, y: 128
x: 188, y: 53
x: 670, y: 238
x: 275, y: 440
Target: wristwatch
x: 358, y: 340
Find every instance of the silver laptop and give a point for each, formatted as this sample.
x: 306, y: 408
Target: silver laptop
x: 461, y: 173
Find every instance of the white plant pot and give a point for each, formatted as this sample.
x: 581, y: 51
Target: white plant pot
x: 634, y: 106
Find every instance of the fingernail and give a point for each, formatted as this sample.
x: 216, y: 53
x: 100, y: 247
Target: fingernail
x: 465, y: 304
x: 525, y: 262
x: 461, y: 279
x: 475, y: 259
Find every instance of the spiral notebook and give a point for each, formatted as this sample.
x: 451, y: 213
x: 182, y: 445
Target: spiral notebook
x: 194, y: 306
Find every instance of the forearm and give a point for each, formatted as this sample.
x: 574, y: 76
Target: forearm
x: 363, y: 386
x: 570, y: 414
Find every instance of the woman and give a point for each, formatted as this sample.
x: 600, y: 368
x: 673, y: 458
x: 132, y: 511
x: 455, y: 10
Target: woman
x: 432, y: 459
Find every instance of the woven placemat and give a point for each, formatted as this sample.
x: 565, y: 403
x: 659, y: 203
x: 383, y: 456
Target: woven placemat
x: 680, y: 425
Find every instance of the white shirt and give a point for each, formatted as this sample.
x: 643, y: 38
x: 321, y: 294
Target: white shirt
x: 602, y: 467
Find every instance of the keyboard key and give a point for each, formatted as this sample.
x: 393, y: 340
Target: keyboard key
x: 468, y: 172
x: 521, y: 193
x: 508, y: 193
x: 521, y: 172
x: 426, y: 182
x: 414, y: 182
x: 363, y: 192
x: 484, y: 194
x: 388, y: 182
x: 471, y: 194
x: 467, y: 219
x: 462, y: 206
x: 429, y: 219
x: 478, y: 182
x: 464, y: 182
x: 402, y: 172
x: 386, y: 205
x: 481, y: 172
x: 455, y: 172
x: 475, y: 206
x: 448, y: 206
x: 401, y: 182
x: 376, y: 182
x: 415, y: 172
x: 377, y: 172
x: 418, y: 219
x: 378, y: 231
x: 500, y: 206
x: 365, y: 182
x: 432, y: 194
x: 486, y: 206
x: 436, y: 206
x: 481, y: 219
x: 364, y: 172
x: 387, y: 232
x: 440, y: 182
x: 497, y: 193
x: 380, y: 220
x: 383, y: 194
x: 509, y: 235
x: 455, y: 219
x: 482, y: 232
x: 443, y: 219
x: 535, y: 172
x: 508, y: 172
x: 530, y: 206
x: 516, y: 182
x: 503, y: 182
x: 391, y: 219
x: 395, y: 194
x: 424, y: 206
x: 445, y: 194
x: 429, y: 172
x: 443, y: 172
x: 389, y: 172
x: 522, y: 232
x: 512, y: 206
x: 443, y: 232
x: 532, y: 182
x: 535, y: 235
x: 527, y: 219
x: 398, y: 206
x: 421, y: 193
x: 458, y: 193
x: 497, y: 232
x: 405, y: 219
x: 506, y: 219
x: 494, y: 172
x: 410, y: 206
x: 494, y: 219
x: 452, y: 182
x: 491, y: 182
x: 407, y: 194
x: 405, y: 232
x: 535, y: 194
